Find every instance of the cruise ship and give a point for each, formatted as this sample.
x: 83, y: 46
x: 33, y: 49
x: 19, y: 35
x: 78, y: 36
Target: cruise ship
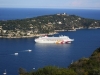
x: 61, y: 39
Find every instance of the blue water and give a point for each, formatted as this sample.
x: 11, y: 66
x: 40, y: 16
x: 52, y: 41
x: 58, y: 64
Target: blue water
x: 61, y: 55
x: 21, y: 13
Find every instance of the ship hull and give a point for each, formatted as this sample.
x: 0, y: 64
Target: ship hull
x: 61, y: 40
x: 44, y: 41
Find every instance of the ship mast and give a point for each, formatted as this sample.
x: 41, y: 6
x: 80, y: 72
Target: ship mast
x: 5, y: 72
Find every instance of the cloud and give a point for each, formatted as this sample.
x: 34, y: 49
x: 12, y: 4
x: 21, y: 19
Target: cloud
x: 78, y: 3
x: 75, y: 3
x: 83, y: 4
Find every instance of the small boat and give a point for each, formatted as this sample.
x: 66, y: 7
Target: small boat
x: 29, y: 50
x: 72, y: 62
x: 15, y: 53
x: 33, y: 68
x: 5, y: 73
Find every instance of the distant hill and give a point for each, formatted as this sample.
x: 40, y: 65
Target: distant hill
x: 46, y: 24
x: 84, y: 66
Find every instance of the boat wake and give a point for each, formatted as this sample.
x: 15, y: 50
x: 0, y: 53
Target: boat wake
x: 17, y: 53
x: 29, y: 50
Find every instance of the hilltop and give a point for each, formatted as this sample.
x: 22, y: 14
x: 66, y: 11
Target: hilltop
x: 84, y: 66
x: 47, y: 24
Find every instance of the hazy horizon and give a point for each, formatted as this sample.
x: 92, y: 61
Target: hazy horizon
x: 56, y: 4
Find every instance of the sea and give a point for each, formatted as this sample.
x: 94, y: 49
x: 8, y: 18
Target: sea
x: 60, y: 55
x: 22, y: 13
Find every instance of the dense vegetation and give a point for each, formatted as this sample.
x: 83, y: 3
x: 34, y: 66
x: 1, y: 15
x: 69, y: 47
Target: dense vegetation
x: 49, y: 23
x: 84, y: 66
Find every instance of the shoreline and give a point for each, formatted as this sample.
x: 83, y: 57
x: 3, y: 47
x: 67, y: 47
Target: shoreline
x: 38, y: 35
x: 31, y: 36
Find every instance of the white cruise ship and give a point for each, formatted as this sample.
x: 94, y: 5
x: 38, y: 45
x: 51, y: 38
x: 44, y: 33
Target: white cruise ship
x: 60, y: 39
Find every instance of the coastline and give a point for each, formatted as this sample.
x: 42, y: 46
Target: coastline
x: 30, y: 36
x: 52, y: 33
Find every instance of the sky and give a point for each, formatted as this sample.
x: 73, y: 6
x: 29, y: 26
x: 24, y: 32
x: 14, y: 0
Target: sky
x: 73, y: 4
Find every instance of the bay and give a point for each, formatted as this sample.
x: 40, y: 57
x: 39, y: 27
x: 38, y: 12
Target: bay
x: 61, y: 55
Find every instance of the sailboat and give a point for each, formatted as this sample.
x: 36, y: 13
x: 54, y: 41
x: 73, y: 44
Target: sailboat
x: 72, y: 62
x: 5, y: 72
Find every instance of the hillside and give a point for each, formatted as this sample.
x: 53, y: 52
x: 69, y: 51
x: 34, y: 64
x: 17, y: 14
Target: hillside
x: 84, y: 66
x: 45, y: 24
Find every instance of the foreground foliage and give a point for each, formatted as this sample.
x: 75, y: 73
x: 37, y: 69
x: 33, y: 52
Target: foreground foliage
x: 84, y: 66
x: 88, y: 66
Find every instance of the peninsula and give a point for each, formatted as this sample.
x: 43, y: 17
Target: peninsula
x: 47, y: 24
